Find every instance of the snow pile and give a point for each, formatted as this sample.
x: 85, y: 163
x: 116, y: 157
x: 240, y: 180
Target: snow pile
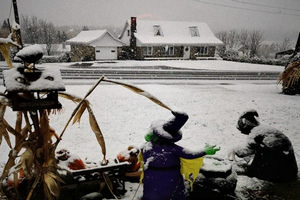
x: 6, y: 40
x: 213, y: 165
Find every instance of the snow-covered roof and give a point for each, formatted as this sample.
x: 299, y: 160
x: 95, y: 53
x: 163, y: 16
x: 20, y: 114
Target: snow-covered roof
x: 175, y: 32
x: 92, y: 36
x: 86, y: 37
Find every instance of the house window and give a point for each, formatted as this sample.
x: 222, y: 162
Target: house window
x: 147, y: 51
x: 157, y: 30
x: 128, y: 32
x: 171, y: 50
x: 202, y: 51
x: 194, y: 31
x: 167, y: 50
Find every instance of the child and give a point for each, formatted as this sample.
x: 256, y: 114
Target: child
x: 162, y: 177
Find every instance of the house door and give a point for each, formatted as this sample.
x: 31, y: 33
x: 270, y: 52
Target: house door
x: 106, y: 53
x: 186, y: 52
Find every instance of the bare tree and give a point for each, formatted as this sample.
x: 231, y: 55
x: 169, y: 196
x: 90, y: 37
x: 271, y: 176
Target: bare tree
x: 285, y: 44
x: 244, y: 41
x: 255, y: 39
x: 48, y: 35
x: 223, y: 37
x: 30, y: 29
x: 232, y: 38
x: 38, y: 31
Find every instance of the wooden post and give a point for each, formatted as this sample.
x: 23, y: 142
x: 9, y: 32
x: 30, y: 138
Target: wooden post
x: 16, y: 11
x: 17, y: 20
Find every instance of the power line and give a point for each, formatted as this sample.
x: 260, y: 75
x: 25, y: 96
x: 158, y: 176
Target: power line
x: 245, y: 8
x: 265, y: 5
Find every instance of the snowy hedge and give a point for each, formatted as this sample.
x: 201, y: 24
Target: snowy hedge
x: 257, y: 60
x: 65, y: 57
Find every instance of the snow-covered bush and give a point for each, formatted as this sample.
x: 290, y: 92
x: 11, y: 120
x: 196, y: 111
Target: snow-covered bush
x: 231, y: 53
x: 65, y: 57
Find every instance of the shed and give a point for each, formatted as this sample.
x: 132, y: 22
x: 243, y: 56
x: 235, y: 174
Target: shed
x: 94, y: 45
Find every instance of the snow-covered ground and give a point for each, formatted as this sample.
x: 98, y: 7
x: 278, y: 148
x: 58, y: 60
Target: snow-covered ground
x: 213, y: 107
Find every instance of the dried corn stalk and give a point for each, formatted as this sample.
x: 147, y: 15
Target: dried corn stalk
x: 38, y: 160
x: 51, y: 179
x: 290, y: 75
x: 140, y: 92
x: 5, y: 44
x: 96, y: 129
x: 3, y: 129
x: 82, y: 106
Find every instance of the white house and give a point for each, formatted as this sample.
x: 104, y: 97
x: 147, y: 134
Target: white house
x: 94, y: 45
x: 170, y: 39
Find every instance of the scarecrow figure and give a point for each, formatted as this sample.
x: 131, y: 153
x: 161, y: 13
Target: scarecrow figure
x: 163, y: 179
x: 272, y: 151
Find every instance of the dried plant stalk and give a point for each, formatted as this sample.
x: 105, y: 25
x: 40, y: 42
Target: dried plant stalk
x: 80, y: 111
x: 140, y: 92
x: 78, y: 106
x: 96, y: 129
x: 5, y: 44
x: 26, y: 162
x: 290, y: 75
x: 52, y: 184
x: 81, y: 107
x: 4, y: 49
x: 3, y: 130
x: 36, y: 181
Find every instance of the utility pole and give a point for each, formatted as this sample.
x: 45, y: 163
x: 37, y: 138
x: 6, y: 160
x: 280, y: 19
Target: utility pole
x: 16, y: 11
x: 17, y: 20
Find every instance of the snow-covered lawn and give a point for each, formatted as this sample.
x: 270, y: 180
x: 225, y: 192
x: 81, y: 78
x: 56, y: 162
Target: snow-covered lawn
x: 213, y: 107
x: 124, y: 117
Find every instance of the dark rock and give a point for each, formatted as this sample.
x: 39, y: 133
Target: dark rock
x: 215, y: 183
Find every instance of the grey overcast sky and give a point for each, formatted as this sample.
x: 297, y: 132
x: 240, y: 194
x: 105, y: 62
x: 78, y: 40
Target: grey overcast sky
x: 275, y: 18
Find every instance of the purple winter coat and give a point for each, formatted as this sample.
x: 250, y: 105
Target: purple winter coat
x: 162, y: 177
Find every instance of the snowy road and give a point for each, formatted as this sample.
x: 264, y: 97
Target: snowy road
x: 161, y: 70
x: 165, y: 72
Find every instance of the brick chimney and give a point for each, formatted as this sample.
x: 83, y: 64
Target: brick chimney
x: 133, y: 49
x: 132, y: 30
